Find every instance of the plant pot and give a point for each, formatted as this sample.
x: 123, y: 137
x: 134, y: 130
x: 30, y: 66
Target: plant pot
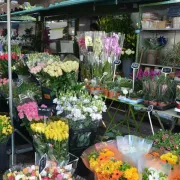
x: 87, y: 86
x: 154, y: 103
x: 134, y: 99
x: 4, y: 158
x: 97, y: 88
x: 106, y: 92
x: 117, y: 95
x: 162, y: 104
x: 152, y: 56
x: 111, y: 94
x: 146, y: 101
x: 127, y: 67
x: 91, y: 89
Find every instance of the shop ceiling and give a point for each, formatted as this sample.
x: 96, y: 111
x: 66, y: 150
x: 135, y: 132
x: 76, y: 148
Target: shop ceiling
x: 78, y: 8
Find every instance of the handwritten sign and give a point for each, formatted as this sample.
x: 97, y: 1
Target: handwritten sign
x: 42, y: 163
x: 166, y: 70
x: 117, y: 62
x: 150, y: 108
x: 135, y: 66
x: 44, y: 111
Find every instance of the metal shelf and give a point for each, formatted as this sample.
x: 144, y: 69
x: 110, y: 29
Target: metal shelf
x: 162, y: 29
x: 160, y: 66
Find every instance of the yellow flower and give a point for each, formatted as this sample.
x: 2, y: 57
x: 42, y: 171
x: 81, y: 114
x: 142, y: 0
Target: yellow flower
x: 169, y: 158
x: 131, y: 174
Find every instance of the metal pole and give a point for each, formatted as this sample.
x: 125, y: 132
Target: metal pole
x: 10, y: 73
x: 152, y: 129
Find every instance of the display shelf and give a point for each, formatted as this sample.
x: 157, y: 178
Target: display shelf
x: 156, y: 65
x: 162, y: 29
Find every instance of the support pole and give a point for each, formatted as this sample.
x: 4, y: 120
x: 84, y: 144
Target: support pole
x: 10, y: 73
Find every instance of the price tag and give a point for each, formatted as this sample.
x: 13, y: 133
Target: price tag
x: 135, y: 66
x: 150, y: 108
x: 117, y: 62
x: 166, y: 70
x: 42, y: 163
x: 44, y: 111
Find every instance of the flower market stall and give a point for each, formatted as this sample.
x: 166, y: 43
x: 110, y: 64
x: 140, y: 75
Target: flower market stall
x: 62, y: 102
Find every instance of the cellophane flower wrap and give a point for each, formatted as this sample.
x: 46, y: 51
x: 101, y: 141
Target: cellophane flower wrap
x: 52, y: 138
x: 133, y: 147
x: 153, y: 168
x: 105, y: 161
x: 53, y: 172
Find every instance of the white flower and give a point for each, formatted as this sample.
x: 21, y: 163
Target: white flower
x: 96, y: 97
x: 105, y: 73
x: 86, y: 101
x: 55, y: 100
x: 132, y: 52
x: 122, y: 52
x: 95, y: 108
x: 154, y: 176
x: 125, y: 91
x: 44, y: 173
x: 20, y: 176
x: 33, y: 167
x: 86, y: 80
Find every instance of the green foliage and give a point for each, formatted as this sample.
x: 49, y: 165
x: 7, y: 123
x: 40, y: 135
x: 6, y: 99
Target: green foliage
x: 172, y: 56
x: 166, y: 140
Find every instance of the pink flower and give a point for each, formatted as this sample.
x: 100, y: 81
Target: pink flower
x: 168, y: 148
x: 43, y: 106
x: 162, y: 148
x: 21, y: 115
x: 59, y: 177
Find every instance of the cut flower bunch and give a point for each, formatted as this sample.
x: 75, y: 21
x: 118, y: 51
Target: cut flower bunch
x: 82, y: 110
x: 106, y: 166
x: 32, y: 172
x: 5, y: 128
x: 52, y: 139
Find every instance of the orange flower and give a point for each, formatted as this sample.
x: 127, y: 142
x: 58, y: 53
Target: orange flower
x: 155, y: 154
x: 103, y: 176
x: 116, y: 175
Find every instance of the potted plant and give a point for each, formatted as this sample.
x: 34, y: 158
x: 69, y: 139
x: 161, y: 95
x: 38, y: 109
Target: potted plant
x: 133, y: 96
x: 111, y: 91
x: 125, y: 83
x: 153, y: 93
x: 172, y: 56
x: 154, y: 45
x: 166, y: 90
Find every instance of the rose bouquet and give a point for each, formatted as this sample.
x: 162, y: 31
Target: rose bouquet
x: 32, y: 172
x: 106, y: 162
x: 52, y: 139
x: 5, y: 128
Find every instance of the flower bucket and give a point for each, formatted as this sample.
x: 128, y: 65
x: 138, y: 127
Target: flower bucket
x: 82, y: 138
x: 152, y: 56
x: 4, y: 158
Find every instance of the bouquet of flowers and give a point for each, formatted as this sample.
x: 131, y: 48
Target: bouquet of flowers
x: 84, y: 113
x: 5, y: 128
x: 82, y: 110
x: 4, y: 62
x: 52, y: 139
x: 32, y: 172
x: 106, y: 162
